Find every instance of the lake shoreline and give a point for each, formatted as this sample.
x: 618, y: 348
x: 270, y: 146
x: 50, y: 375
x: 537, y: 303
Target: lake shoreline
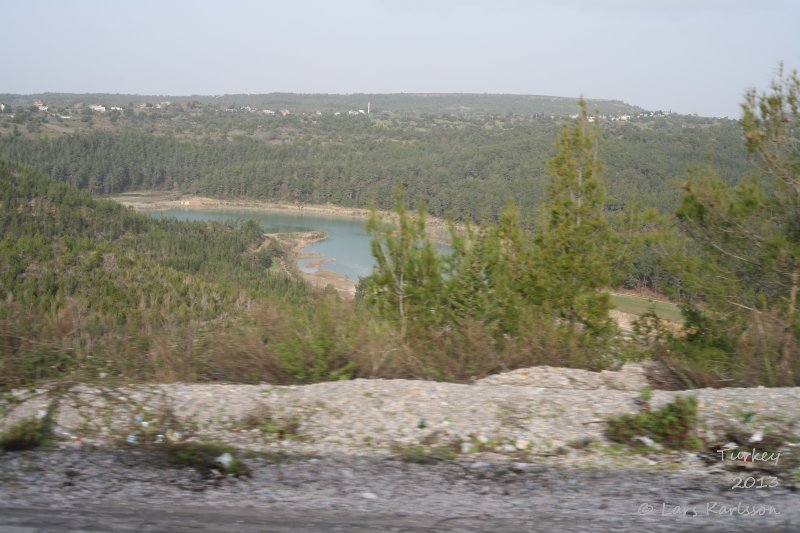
x: 320, y: 278
x: 149, y: 201
x: 436, y: 228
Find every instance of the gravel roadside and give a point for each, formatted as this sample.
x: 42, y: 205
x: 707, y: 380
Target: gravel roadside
x: 527, y: 451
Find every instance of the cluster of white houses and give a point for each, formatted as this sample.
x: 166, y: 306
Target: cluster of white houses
x: 99, y: 108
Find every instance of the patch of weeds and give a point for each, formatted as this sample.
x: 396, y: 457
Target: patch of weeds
x: 646, y: 394
x: 205, y: 457
x: 483, y: 444
x: 672, y: 426
x: 26, y: 434
x: 265, y: 420
x: 423, y: 454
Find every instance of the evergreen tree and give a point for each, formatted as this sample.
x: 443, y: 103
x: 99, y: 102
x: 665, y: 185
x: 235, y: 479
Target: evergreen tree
x: 407, y: 278
x: 749, y: 274
x: 574, y: 237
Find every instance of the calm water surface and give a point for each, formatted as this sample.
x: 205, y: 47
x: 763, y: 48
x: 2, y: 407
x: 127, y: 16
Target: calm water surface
x: 347, y: 243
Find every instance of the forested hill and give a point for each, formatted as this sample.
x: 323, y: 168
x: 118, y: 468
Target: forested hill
x: 88, y: 286
x: 469, y: 167
x: 404, y: 103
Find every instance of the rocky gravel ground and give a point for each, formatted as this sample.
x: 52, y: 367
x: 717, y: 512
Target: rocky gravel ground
x: 513, y: 452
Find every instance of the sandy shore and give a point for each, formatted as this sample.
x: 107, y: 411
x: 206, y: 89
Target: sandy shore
x: 315, y: 272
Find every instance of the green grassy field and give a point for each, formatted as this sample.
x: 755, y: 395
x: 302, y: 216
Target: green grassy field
x: 638, y: 305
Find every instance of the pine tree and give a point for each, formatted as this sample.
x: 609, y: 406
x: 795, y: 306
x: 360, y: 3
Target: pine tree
x: 407, y: 278
x: 750, y: 234
x: 574, y: 237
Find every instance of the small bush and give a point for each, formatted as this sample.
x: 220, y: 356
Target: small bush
x: 672, y: 426
x: 203, y: 457
x: 26, y: 434
x: 265, y: 420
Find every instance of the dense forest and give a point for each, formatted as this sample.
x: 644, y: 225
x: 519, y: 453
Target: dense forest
x: 565, y: 207
x: 467, y: 167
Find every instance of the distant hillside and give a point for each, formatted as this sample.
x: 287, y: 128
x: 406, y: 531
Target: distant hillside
x: 425, y: 103
x: 469, y: 167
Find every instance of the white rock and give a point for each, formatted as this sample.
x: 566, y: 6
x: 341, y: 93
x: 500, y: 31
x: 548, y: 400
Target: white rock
x: 369, y: 495
x: 758, y: 436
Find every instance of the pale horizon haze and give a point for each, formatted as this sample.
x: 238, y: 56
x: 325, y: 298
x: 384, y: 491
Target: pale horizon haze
x: 684, y: 56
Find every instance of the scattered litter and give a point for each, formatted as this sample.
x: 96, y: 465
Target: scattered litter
x: 226, y: 460
x: 173, y: 436
x: 132, y: 439
x: 758, y: 436
x: 650, y: 443
x: 61, y: 432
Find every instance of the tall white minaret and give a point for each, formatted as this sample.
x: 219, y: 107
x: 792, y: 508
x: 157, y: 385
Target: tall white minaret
x: 368, y: 103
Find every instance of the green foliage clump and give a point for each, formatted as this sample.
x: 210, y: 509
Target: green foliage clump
x: 203, y: 457
x: 739, y: 270
x: 26, y: 434
x: 574, y: 239
x: 544, y: 288
x: 673, y: 425
x: 313, y: 345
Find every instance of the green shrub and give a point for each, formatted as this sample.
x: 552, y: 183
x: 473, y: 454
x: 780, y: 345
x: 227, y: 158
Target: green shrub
x: 672, y: 426
x: 203, y: 457
x: 26, y: 434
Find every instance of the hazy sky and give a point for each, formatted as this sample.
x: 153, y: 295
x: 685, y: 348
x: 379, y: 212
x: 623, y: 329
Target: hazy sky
x: 688, y: 56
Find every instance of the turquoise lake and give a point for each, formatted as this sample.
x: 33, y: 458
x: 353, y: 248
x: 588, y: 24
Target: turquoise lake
x: 348, y: 244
